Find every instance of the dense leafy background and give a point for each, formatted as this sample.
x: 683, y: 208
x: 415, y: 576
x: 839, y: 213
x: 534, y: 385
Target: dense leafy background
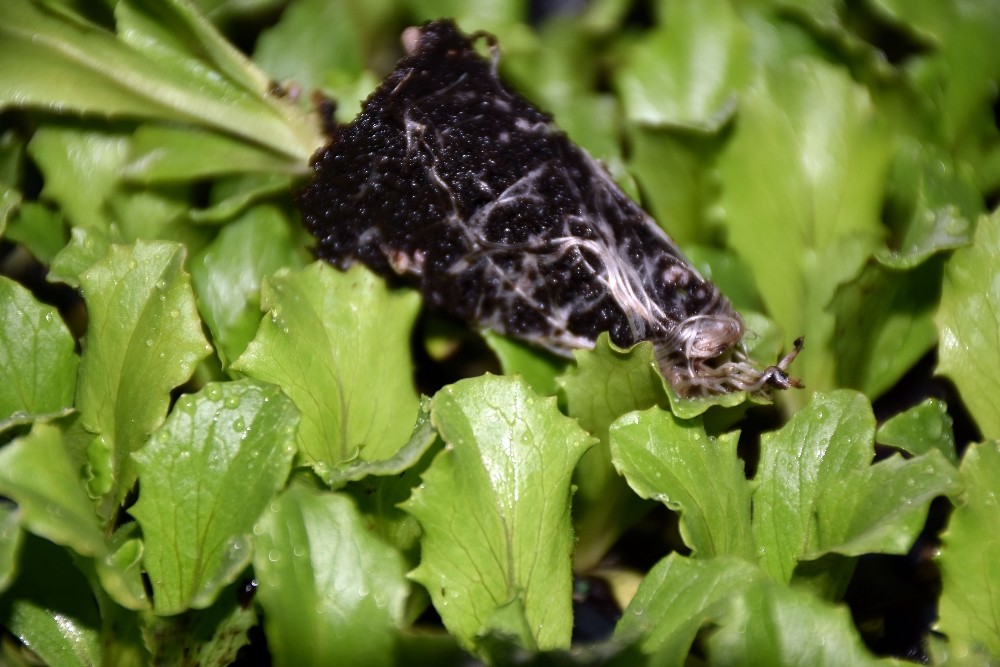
x: 213, y: 449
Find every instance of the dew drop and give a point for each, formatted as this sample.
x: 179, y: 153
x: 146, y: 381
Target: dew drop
x: 232, y: 402
x: 239, y: 425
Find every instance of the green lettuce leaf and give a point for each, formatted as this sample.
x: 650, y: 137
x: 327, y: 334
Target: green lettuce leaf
x: 781, y: 625
x: 920, y: 429
x: 347, y: 367
x: 37, y: 360
x: 677, y: 598
x: 675, y: 462
x: 206, y: 475
x: 143, y: 339
x: 606, y: 383
x: 817, y: 492
x: 81, y: 186
x: 210, y: 637
x: 228, y: 273
x: 494, y: 507
x: 969, y: 352
x: 803, y: 222
x: 332, y: 593
x: 37, y: 472
x: 969, y: 610
x: 687, y: 71
x: 166, y: 63
x: 51, y: 607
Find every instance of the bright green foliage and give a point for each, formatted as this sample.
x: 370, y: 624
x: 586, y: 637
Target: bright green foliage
x: 817, y: 492
x: 156, y: 74
x: 320, y: 44
x: 341, y: 363
x: 932, y: 206
x: 206, y: 476
x: 968, y: 324
x: 79, y: 186
x: 501, y: 558
x: 920, y: 429
x: 143, y: 339
x: 952, y: 77
x: 37, y: 473
x: 679, y: 596
x: 10, y: 199
x: 538, y: 367
x: 423, y: 437
x: 50, y: 607
x: 687, y: 72
x: 121, y: 571
x: 830, y: 165
x: 332, y: 593
x: 41, y: 230
x: 778, y: 625
x: 227, y: 276
x: 675, y: 462
x: 189, y: 154
x: 970, y: 607
x: 606, y: 383
x: 754, y: 617
x: 37, y: 361
x: 799, y: 126
x: 885, y: 324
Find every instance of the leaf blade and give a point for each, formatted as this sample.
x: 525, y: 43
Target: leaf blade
x: 332, y: 592
x: 37, y: 360
x: 206, y: 476
x: 339, y: 363
x: 139, y: 346
x: 969, y: 607
x: 37, y: 472
x: 511, y: 457
x: 675, y: 462
x: 967, y: 323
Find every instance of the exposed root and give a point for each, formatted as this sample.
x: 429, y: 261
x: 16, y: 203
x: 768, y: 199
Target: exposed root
x: 728, y: 372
